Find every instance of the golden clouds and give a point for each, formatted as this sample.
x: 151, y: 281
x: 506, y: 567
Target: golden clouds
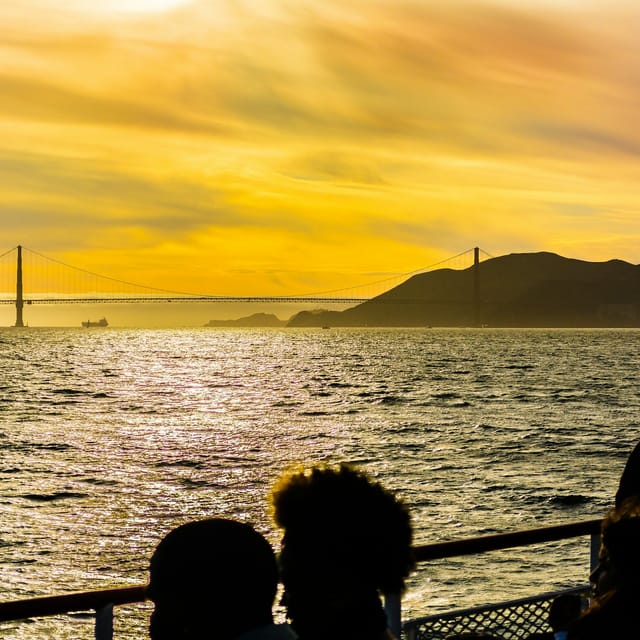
x: 307, y: 138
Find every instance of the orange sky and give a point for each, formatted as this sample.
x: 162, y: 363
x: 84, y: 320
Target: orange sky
x: 293, y: 146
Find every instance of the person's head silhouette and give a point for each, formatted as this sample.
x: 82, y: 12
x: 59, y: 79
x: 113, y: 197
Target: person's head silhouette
x: 346, y: 540
x: 629, y: 484
x: 212, y: 578
x: 613, y: 612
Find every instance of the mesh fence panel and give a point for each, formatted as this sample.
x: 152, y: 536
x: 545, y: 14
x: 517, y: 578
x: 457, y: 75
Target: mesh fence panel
x: 507, y: 620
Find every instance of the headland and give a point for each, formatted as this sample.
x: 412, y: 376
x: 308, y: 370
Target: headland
x: 516, y: 290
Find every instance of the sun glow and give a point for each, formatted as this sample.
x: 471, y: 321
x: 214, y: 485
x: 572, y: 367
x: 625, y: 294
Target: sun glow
x: 142, y: 6
x: 269, y: 147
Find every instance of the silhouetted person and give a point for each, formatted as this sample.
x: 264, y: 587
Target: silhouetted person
x: 615, y: 612
x: 214, y: 579
x: 346, y: 541
x: 565, y: 609
x: 629, y: 485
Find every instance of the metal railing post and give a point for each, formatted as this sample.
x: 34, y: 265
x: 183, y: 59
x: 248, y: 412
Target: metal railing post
x: 104, y: 622
x: 594, y: 552
x: 411, y: 633
x: 393, y: 609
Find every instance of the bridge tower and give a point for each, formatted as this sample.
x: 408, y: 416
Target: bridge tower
x: 476, y: 286
x: 19, y: 299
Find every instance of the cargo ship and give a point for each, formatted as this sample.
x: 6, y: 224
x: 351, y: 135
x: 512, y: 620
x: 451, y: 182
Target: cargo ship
x: 99, y: 323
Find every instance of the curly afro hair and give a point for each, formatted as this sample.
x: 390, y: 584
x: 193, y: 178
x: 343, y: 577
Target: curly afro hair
x: 340, y: 525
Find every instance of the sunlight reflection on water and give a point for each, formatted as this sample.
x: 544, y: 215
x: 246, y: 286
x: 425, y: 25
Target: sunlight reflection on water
x: 110, y: 438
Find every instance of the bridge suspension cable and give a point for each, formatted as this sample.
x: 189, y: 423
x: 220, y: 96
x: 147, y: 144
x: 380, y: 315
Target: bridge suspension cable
x: 398, y: 277
x: 75, y: 285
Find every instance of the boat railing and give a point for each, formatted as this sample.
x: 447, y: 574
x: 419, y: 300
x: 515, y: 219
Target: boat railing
x: 102, y: 602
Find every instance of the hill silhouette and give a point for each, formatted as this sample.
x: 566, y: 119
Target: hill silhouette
x: 254, y: 320
x: 516, y: 290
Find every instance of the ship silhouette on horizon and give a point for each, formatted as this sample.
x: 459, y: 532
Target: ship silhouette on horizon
x: 99, y: 323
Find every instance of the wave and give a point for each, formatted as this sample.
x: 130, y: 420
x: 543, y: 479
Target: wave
x: 26, y: 447
x: 71, y: 392
x: 570, y: 500
x: 391, y: 399
x: 136, y: 408
x: 445, y: 395
x: 52, y: 497
x: 100, y: 482
x: 567, y: 500
x: 414, y: 427
x: 192, y: 483
x: 190, y: 464
x: 287, y: 403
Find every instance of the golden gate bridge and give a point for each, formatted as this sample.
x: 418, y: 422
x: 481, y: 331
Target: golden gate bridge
x: 28, y: 277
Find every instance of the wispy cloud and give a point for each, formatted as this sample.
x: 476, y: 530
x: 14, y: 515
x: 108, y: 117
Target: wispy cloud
x: 328, y: 135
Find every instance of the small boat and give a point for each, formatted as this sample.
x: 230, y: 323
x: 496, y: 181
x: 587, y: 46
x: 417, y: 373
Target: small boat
x: 100, y: 323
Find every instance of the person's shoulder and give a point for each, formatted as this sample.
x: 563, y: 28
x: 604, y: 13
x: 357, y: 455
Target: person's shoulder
x: 615, y: 616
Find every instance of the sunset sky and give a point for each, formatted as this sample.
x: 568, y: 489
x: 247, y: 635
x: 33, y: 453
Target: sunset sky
x: 294, y: 146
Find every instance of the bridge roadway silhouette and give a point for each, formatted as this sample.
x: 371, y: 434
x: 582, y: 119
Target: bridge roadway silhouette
x: 166, y: 296
x: 34, y: 299
x: 178, y: 298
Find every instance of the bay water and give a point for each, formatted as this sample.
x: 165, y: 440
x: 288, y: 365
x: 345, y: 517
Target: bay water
x: 109, y: 438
